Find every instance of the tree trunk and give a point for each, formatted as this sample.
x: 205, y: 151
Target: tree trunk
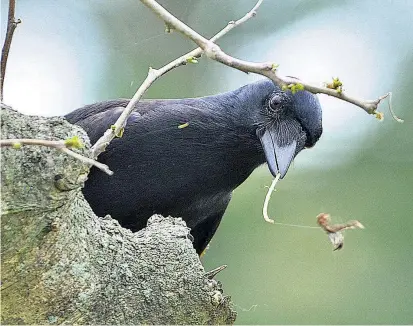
x: 62, y: 264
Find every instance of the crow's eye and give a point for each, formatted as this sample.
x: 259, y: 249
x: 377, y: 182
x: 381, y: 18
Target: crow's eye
x: 278, y: 102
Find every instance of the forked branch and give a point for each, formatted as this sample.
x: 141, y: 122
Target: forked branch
x: 267, y: 69
x: 154, y: 74
x: 213, y: 51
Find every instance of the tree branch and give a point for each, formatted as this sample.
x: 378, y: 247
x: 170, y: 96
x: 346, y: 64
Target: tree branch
x: 154, y: 74
x: 267, y: 69
x: 11, y: 26
x: 61, y: 145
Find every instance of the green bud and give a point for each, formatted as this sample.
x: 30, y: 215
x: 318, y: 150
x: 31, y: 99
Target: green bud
x: 379, y: 116
x: 274, y: 66
x: 120, y: 133
x: 17, y: 145
x: 168, y: 28
x: 74, y: 142
x: 336, y: 84
x: 299, y: 87
x: 192, y: 60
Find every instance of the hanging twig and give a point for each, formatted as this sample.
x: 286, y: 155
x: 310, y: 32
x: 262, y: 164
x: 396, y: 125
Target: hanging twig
x: 334, y: 230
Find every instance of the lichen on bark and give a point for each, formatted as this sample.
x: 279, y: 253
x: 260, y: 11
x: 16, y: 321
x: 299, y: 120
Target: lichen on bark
x: 62, y: 264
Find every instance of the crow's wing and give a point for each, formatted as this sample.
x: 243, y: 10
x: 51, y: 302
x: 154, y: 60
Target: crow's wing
x: 97, y: 118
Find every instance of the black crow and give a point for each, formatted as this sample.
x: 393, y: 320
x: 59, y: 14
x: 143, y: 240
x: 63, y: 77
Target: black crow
x: 184, y: 157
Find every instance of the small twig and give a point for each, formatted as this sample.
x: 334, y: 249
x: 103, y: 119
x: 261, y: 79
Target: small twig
x: 267, y: 69
x: 16, y: 143
x: 211, y: 274
x: 88, y: 160
x: 154, y: 74
x: 394, y: 116
x: 11, y: 26
x: 60, y: 145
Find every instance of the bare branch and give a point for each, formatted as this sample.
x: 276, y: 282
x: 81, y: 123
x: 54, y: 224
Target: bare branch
x: 267, y: 69
x: 154, y: 74
x: 11, y: 26
x: 17, y: 143
x: 61, y: 145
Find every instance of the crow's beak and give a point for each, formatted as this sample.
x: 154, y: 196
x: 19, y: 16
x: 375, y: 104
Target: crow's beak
x: 280, y: 146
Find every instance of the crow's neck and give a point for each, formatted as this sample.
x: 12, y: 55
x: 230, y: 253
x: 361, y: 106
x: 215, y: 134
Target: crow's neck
x: 229, y: 136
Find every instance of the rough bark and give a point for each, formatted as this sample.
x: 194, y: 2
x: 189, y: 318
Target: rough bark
x: 62, y: 264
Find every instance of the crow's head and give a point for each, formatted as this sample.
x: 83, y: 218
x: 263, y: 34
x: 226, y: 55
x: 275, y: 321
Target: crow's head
x: 286, y: 124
